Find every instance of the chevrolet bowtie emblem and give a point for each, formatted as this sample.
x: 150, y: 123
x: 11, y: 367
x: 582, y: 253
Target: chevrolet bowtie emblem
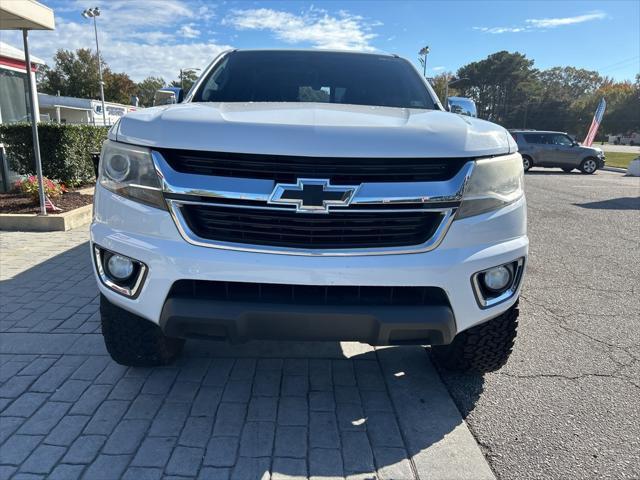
x: 311, y: 195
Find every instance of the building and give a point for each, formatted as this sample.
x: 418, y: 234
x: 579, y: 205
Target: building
x: 25, y: 15
x: 61, y: 109
x: 14, y: 98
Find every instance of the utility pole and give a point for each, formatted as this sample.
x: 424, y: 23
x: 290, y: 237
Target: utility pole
x: 446, y: 91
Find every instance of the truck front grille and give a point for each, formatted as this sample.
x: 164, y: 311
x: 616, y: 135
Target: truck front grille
x: 286, y: 228
x: 287, y: 169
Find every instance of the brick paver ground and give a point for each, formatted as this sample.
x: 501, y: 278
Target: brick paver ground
x: 255, y: 411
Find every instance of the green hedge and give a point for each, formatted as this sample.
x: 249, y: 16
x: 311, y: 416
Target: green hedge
x: 65, y: 150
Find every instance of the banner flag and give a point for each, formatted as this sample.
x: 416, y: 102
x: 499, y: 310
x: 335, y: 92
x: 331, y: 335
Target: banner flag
x: 595, y: 124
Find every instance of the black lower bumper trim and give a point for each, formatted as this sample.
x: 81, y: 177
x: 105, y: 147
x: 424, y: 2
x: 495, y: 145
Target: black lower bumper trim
x: 373, y: 324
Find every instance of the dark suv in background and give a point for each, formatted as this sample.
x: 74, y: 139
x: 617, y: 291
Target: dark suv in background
x: 556, y: 149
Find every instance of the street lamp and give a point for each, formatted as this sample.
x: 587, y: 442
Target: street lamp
x: 186, y: 70
x: 94, y: 13
x: 424, y: 51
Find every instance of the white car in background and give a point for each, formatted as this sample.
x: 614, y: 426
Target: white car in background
x: 631, y: 139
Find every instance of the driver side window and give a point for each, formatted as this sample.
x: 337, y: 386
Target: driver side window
x: 562, y: 140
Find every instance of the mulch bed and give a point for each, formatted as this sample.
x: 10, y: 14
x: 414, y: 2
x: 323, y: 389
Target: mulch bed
x: 20, y: 203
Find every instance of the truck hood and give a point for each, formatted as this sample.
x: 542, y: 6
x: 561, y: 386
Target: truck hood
x: 313, y: 129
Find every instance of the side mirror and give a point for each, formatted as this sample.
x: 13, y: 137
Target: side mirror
x: 462, y: 106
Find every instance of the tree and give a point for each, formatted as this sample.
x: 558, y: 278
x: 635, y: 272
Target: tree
x: 439, y: 84
x: 551, y: 100
x: 41, y: 74
x: 189, y: 77
x: 118, y: 87
x: 498, y: 85
x: 509, y: 90
x: 623, y: 108
x: 147, y: 89
x: 75, y: 74
x: 570, y: 83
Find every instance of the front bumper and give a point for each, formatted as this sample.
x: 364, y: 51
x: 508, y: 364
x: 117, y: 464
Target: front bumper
x: 240, y: 321
x: 150, y: 236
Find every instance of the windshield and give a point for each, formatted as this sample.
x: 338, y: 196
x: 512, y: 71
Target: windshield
x: 327, y: 77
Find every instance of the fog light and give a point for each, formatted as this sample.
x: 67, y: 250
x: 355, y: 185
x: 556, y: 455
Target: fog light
x: 497, y: 278
x: 119, y: 273
x: 119, y: 267
x: 497, y: 284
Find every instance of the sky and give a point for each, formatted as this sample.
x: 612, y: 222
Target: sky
x: 158, y: 37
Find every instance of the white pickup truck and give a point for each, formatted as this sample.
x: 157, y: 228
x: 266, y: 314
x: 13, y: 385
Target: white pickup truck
x: 310, y: 195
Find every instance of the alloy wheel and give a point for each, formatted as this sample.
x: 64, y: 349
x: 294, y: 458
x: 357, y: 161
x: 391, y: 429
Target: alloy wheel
x: 590, y: 166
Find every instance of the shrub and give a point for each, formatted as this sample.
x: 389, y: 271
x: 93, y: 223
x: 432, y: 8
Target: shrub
x: 29, y: 185
x: 65, y: 150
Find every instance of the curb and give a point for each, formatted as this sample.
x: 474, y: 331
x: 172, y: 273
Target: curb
x: 615, y: 169
x: 30, y: 222
x: 436, y: 436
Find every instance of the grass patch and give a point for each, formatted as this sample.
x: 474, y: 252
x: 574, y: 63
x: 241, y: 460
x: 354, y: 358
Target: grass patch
x: 619, y: 159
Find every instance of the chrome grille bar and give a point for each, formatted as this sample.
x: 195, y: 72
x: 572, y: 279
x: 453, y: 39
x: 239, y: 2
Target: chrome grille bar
x: 184, y: 189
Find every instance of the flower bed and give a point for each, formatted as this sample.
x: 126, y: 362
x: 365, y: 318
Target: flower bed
x: 20, y: 210
x: 23, y: 203
x: 25, y: 197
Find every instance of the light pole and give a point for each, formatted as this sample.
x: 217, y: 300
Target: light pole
x: 424, y: 51
x: 33, y: 95
x: 185, y: 70
x: 94, y: 13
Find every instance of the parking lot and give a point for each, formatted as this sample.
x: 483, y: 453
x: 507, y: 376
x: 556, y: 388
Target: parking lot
x: 565, y: 406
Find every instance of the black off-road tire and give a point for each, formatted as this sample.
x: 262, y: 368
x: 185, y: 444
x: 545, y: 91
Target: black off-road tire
x: 134, y: 341
x: 483, y: 348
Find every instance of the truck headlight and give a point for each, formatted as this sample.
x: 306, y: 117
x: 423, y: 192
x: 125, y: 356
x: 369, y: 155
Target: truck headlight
x: 494, y: 183
x: 128, y: 170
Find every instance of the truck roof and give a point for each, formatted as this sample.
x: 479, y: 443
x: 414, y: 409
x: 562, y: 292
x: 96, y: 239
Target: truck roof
x: 315, y: 50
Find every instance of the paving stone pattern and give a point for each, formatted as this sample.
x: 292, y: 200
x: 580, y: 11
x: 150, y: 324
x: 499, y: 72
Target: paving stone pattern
x: 66, y: 415
x: 68, y: 411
